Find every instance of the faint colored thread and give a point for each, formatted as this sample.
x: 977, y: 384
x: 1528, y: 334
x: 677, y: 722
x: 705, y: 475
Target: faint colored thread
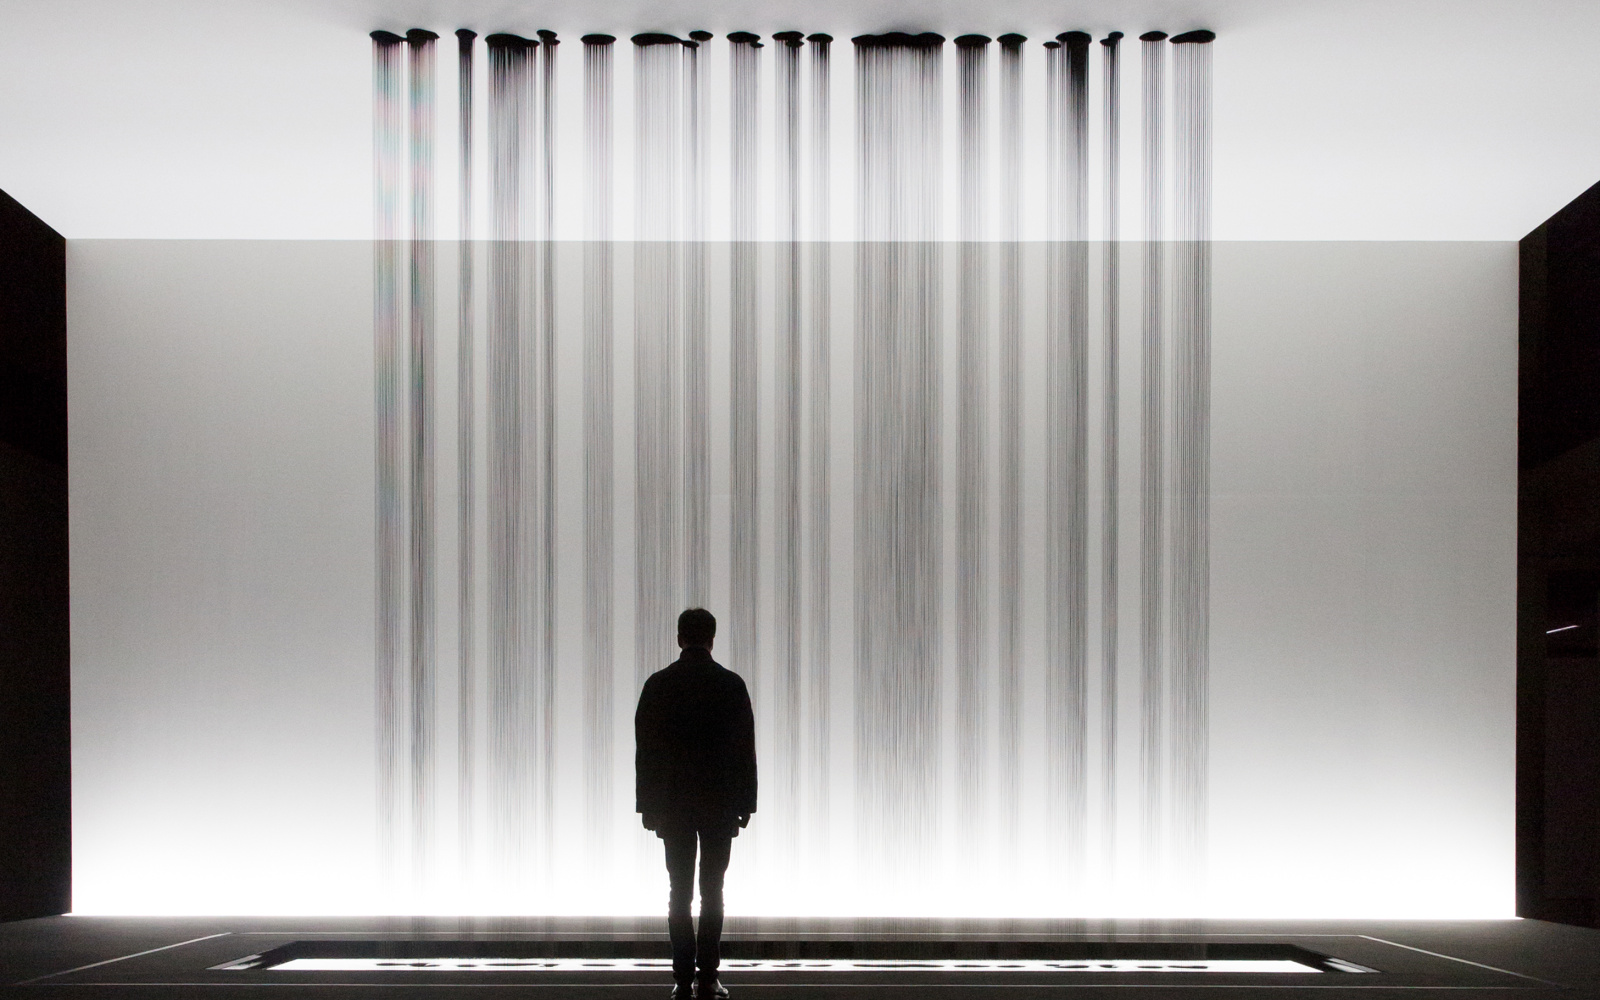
x: 1111, y: 493
x: 421, y: 316
x: 744, y: 647
x: 820, y: 397
x: 466, y: 476
x: 388, y: 172
x: 1009, y: 506
x: 599, y: 451
x: 972, y: 473
x: 1152, y: 512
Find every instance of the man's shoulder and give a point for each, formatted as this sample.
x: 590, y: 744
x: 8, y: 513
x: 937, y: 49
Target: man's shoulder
x: 728, y: 677
x: 695, y: 673
x: 665, y: 675
x: 705, y: 668
x: 654, y: 681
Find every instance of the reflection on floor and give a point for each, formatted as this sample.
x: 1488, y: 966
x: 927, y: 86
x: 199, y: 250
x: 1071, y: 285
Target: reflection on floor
x: 245, y: 958
x: 792, y: 954
x: 819, y: 965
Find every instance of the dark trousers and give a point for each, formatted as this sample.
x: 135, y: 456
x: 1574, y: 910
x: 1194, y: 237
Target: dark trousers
x: 715, y: 841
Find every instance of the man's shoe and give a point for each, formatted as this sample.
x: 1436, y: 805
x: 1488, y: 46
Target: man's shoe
x: 714, y: 990
x: 682, y: 991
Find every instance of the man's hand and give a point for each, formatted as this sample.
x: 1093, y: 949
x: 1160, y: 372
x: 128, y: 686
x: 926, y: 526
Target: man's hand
x: 651, y: 821
x: 744, y: 820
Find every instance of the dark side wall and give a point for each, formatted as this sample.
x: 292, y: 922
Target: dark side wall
x: 35, y: 730
x: 1558, y: 569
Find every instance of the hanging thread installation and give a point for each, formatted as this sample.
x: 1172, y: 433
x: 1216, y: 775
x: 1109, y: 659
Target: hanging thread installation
x: 776, y: 327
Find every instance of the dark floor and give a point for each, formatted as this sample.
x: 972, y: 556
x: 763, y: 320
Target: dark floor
x: 100, y: 957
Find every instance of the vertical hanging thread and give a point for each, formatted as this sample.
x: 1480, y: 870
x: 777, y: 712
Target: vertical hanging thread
x: 696, y: 399
x: 784, y: 697
x: 972, y: 470
x: 744, y: 648
x: 898, y: 366
x: 388, y: 167
x: 511, y: 747
x: 421, y: 317
x: 535, y: 471
x: 466, y: 475
x: 658, y: 64
x: 599, y: 498
x: 529, y: 492
x: 819, y: 637
x: 1066, y: 463
x: 1152, y: 454
x: 1111, y: 493
x: 1008, y: 512
x: 530, y: 513
x: 547, y: 421
x: 1191, y: 592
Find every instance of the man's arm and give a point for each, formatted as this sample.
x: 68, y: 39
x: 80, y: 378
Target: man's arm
x: 647, y: 756
x: 744, y: 751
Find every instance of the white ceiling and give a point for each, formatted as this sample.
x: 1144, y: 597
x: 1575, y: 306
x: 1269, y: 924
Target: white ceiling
x: 1335, y: 120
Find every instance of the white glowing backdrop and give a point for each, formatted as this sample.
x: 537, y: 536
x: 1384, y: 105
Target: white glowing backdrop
x: 1362, y: 557
x: 1355, y: 750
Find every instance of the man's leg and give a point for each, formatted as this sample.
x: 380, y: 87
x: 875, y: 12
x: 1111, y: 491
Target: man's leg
x: 715, y: 846
x: 680, y: 924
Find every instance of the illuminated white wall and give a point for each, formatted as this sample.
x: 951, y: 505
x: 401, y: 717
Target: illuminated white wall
x: 1363, y: 546
x: 1363, y: 540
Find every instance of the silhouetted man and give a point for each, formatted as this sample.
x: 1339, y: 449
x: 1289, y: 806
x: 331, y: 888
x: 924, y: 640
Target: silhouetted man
x: 695, y: 771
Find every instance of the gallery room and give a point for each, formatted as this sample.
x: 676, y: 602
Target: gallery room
x: 1140, y: 459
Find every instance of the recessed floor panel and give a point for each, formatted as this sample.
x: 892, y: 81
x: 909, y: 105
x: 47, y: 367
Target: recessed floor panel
x: 1239, y: 965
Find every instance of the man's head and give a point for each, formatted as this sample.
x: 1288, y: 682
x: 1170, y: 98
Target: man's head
x: 696, y: 627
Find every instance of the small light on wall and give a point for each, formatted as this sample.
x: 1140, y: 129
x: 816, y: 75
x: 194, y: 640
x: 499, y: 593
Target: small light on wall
x: 1563, y: 628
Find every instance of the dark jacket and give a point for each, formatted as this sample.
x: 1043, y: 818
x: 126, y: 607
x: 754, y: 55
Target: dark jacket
x: 695, y: 740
